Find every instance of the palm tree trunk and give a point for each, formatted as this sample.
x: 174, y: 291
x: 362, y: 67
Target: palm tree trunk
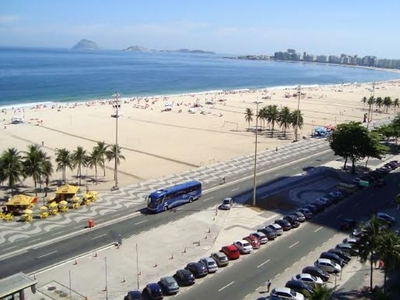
x: 345, y: 163
x: 371, y: 273
x: 95, y: 170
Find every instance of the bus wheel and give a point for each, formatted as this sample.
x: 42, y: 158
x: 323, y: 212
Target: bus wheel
x: 190, y: 200
x: 165, y: 208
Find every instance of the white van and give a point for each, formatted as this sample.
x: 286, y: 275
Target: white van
x: 327, y: 265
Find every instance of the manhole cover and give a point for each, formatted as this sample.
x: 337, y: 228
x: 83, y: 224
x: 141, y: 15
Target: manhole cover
x: 51, y: 288
x: 63, y: 295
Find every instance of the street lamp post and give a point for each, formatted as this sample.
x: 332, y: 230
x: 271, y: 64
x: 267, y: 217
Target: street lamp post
x: 255, y: 157
x: 116, y: 106
x: 297, y: 114
x: 370, y: 112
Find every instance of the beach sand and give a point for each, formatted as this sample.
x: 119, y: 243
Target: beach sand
x: 156, y: 143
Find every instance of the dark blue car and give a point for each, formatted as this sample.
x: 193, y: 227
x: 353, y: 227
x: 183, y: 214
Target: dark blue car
x: 154, y: 291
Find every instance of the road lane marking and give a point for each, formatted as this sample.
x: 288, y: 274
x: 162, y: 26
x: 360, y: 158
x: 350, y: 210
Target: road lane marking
x: 229, y: 284
x: 9, y: 248
x: 99, y: 236
x: 76, y: 227
x: 47, y: 254
x: 208, y: 199
x: 140, y: 222
x: 265, y: 262
x: 235, y: 189
x: 35, y: 240
x: 293, y: 245
x: 318, y: 229
x: 339, y: 216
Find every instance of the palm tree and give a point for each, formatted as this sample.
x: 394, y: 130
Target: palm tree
x: 321, y: 292
x: 369, y: 243
x: 262, y: 115
x: 379, y: 103
x: 370, y: 102
x: 114, y: 153
x: 272, y: 116
x: 364, y: 101
x: 389, y: 251
x: 102, y: 148
x: 47, y: 172
x: 396, y: 103
x: 95, y: 159
x: 33, y: 164
x: 78, y: 159
x: 294, y: 119
x: 387, y: 102
x: 11, y: 168
x: 64, y: 161
x: 248, y: 115
x: 285, y: 119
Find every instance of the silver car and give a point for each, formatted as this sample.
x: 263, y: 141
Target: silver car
x: 210, y: 264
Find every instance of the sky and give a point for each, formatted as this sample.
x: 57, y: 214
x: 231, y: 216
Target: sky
x: 363, y: 27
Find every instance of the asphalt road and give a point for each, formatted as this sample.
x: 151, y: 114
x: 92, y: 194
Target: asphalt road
x: 247, y: 275
x: 39, y: 257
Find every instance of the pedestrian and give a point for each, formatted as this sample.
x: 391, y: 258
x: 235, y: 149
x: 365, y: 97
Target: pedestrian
x: 223, y: 180
x: 380, y: 264
x: 42, y: 143
x: 276, y: 149
x: 268, y: 285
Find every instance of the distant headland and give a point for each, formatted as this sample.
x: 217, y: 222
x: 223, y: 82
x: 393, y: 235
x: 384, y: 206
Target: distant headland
x: 85, y: 45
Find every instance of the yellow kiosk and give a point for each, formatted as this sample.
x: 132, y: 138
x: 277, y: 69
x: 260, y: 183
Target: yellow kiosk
x: 19, y: 203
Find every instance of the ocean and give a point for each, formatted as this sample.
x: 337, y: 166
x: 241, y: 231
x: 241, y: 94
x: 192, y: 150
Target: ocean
x: 33, y: 75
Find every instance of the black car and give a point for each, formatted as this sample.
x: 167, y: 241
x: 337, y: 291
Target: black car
x: 341, y: 254
x: 348, y: 224
x: 198, y: 269
x: 312, y: 208
x: 285, y: 224
x: 300, y: 287
x: 316, y: 272
x: 169, y: 285
x: 306, y: 212
x: 292, y: 220
x: 269, y: 233
x: 153, y: 290
x: 333, y: 257
x: 184, y: 277
x: 133, y: 295
x: 320, y: 206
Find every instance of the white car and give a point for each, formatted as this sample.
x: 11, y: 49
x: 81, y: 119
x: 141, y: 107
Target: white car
x: 243, y: 246
x: 327, y: 265
x: 210, y: 264
x: 286, y: 293
x: 385, y: 217
x: 308, y: 278
x: 350, y: 240
x: 226, y: 204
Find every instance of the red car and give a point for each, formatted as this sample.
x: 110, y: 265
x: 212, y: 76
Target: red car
x: 254, y: 242
x: 231, y: 252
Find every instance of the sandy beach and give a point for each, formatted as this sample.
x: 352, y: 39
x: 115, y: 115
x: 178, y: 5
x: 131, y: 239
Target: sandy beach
x: 156, y: 142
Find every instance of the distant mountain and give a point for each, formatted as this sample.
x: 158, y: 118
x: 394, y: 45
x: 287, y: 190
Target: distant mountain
x: 85, y: 45
x: 136, y: 49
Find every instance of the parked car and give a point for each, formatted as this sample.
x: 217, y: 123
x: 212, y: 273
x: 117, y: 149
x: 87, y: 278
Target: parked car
x: 261, y: 236
x: 292, y: 220
x: 320, y: 206
x: 243, y: 246
x: 325, y: 201
x: 285, y: 224
x: 350, y: 240
x: 311, y: 207
x: 333, y: 257
x: 153, y: 291
x: 341, y: 254
x: 184, y: 277
x: 287, y: 293
x: 210, y: 264
x: 226, y: 204
x: 220, y: 258
x: 348, y: 248
x: 299, y: 286
x: 306, y: 212
x: 133, y: 295
x: 231, y: 252
x: 385, y: 218
x: 254, y: 242
x: 169, y: 285
x: 315, y: 271
x: 270, y: 233
x: 348, y: 224
x: 198, y: 269
x: 308, y: 278
x: 336, y: 195
x: 277, y: 228
x: 327, y: 265
x: 300, y: 216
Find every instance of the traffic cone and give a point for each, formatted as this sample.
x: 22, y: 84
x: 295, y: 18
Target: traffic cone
x: 155, y: 265
x: 75, y: 262
x: 206, y: 238
x: 209, y: 230
x: 172, y: 257
x: 140, y: 273
x: 34, y: 276
x: 95, y: 254
x: 184, y: 250
x: 123, y: 280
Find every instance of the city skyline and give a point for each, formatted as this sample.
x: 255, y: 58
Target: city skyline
x: 230, y: 27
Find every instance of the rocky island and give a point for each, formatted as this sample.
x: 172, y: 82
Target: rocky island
x: 85, y: 45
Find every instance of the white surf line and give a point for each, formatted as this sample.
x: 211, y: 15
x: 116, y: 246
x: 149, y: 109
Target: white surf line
x: 293, y: 245
x: 318, y: 229
x: 228, y: 285
x: 234, y: 190
x: 265, y: 262
x: 47, y: 254
x: 208, y: 199
x: 140, y: 222
x: 99, y: 236
x: 9, y: 248
x: 339, y: 216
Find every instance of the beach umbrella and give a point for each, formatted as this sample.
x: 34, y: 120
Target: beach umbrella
x: 27, y: 211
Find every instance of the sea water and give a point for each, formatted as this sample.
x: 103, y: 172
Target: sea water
x: 29, y: 75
